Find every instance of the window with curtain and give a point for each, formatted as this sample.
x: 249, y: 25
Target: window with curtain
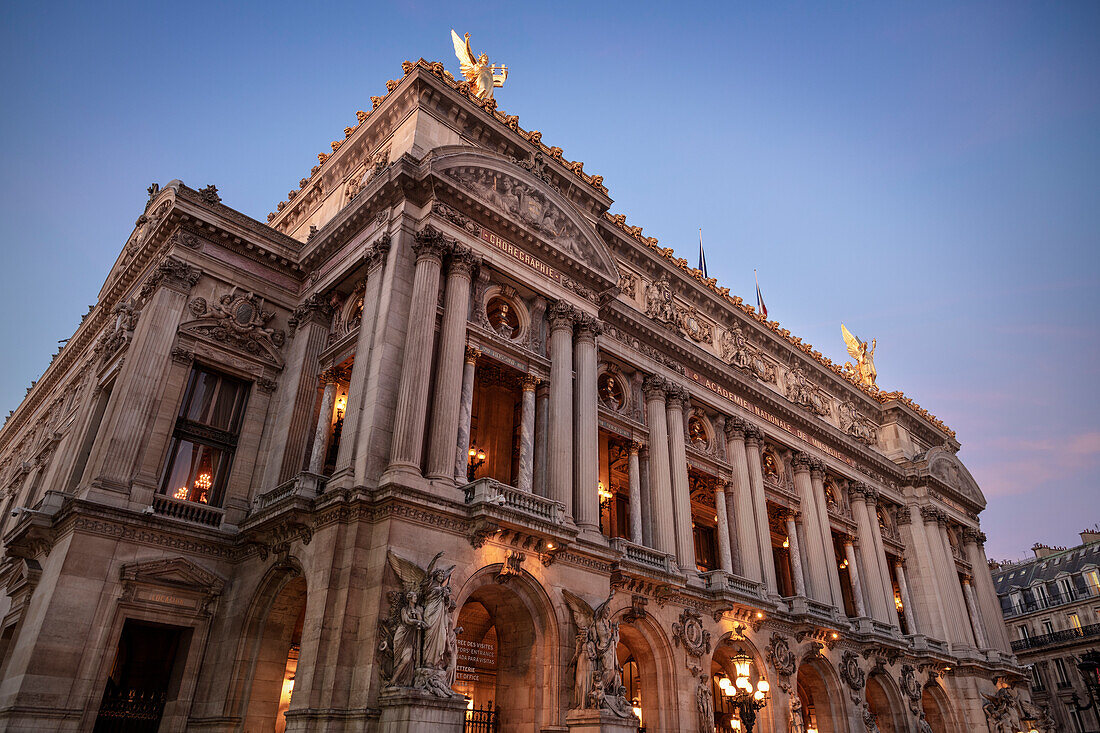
x: 205, y: 437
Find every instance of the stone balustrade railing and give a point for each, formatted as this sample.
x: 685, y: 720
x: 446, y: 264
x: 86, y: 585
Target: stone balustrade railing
x: 305, y: 484
x: 493, y: 492
x: 188, y: 511
x: 641, y: 555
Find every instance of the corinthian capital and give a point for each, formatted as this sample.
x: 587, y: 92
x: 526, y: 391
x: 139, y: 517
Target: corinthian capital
x: 314, y: 307
x: 904, y: 515
x: 376, y: 253
x: 429, y: 243
x: 801, y: 462
x: 172, y: 273
x: 463, y: 261
x: 561, y: 315
x: 735, y: 428
x: 677, y: 396
x: 654, y: 385
x: 931, y: 514
x: 588, y: 327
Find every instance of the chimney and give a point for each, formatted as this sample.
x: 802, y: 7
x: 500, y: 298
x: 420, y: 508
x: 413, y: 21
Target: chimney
x: 1042, y: 550
x: 1090, y: 535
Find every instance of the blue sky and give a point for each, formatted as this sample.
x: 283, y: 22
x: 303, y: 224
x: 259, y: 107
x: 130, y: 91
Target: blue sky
x: 926, y: 173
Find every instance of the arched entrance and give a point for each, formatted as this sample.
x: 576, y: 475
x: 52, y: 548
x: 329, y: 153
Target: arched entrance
x: 267, y: 660
x: 722, y: 668
x: 643, y: 655
x: 884, y: 700
x: 937, y: 709
x: 505, y: 653
x: 819, y: 690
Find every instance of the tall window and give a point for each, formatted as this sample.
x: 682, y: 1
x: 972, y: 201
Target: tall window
x: 1092, y: 581
x: 205, y: 437
x: 1048, y: 627
x: 1074, y: 622
x: 1037, y: 677
x: 1060, y: 667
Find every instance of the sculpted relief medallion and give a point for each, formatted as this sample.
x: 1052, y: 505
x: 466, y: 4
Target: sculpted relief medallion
x: 690, y: 633
x: 736, y: 350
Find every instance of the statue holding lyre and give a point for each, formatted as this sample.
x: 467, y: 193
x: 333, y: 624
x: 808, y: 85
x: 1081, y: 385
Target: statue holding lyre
x: 864, y: 367
x: 481, y: 75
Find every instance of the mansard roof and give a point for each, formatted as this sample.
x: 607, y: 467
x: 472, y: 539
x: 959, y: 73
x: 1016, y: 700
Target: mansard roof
x: 1067, y: 562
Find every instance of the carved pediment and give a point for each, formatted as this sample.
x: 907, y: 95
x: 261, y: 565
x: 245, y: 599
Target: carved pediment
x: 950, y: 470
x: 514, y: 190
x: 238, y: 320
x: 178, y: 572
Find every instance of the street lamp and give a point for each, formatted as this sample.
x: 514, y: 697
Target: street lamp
x: 740, y: 692
x: 1090, y: 671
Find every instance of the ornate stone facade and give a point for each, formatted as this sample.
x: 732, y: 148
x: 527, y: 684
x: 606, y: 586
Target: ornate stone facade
x: 339, y: 477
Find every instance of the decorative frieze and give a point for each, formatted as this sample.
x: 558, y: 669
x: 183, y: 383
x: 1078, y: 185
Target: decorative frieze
x: 736, y: 350
x: 803, y: 392
x: 238, y: 320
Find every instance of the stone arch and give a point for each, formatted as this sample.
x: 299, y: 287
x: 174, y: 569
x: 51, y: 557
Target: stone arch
x: 645, y: 641
x: 885, y: 700
x: 821, y: 691
x: 525, y: 627
x: 582, y: 245
x: 728, y: 644
x: 937, y: 709
x: 272, y: 628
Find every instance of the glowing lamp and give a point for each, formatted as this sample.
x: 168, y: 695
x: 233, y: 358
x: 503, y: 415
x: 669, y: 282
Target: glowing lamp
x: 763, y: 686
x: 724, y: 684
x: 637, y: 712
x: 759, y: 614
x: 758, y: 695
x: 741, y: 661
x: 473, y: 452
x: 735, y: 724
x: 744, y: 684
x: 786, y: 542
x: 811, y: 730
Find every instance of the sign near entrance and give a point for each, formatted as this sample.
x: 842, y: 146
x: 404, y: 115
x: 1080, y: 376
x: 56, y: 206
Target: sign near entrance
x: 476, y: 658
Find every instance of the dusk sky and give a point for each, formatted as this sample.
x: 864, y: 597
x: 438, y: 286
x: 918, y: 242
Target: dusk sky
x: 927, y: 173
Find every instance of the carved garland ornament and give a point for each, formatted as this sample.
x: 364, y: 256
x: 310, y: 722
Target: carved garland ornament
x: 780, y: 655
x: 910, y: 687
x: 238, y: 319
x: 690, y: 633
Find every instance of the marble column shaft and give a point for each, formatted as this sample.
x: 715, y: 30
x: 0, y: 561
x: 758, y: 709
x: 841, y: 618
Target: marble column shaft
x: 760, y: 510
x: 906, y: 603
x: 944, y: 576
x: 796, y: 557
x: 525, y: 479
x: 725, y: 559
x: 324, y: 425
x: 647, y: 498
x: 923, y: 565
x: 748, y: 545
x: 681, y: 492
x: 447, y: 408
x: 989, y: 606
x: 465, y: 411
x: 660, y: 479
x: 412, y: 399
x: 542, y: 426
x: 819, y: 589
x: 586, y: 457
x: 862, y: 499
x: 954, y: 585
x: 975, y: 614
x: 817, y: 476
x: 634, y: 477
x: 880, y: 557
x: 853, y: 577
x: 559, y: 458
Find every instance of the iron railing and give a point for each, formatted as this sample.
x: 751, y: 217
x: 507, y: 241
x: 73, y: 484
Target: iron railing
x: 1035, y: 642
x: 130, y: 711
x: 1051, y: 600
x: 482, y: 719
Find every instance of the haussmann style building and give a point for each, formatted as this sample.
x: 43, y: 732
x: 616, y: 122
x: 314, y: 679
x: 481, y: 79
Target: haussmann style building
x: 446, y: 444
x: 1051, y: 605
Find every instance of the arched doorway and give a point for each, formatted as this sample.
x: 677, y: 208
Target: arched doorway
x: 268, y: 659
x: 722, y: 668
x: 506, y: 650
x: 819, y: 690
x: 644, y: 657
x: 884, y: 700
x: 937, y: 709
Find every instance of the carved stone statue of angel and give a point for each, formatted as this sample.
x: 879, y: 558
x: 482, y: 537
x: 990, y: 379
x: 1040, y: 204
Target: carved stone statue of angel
x: 865, y: 358
x: 601, y: 685
x: 418, y: 638
x: 481, y: 75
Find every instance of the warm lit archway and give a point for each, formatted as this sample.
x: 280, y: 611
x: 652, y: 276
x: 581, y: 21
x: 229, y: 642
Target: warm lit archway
x: 884, y: 699
x: 722, y: 666
x: 819, y: 689
x: 937, y: 709
x: 506, y: 651
x: 646, y: 655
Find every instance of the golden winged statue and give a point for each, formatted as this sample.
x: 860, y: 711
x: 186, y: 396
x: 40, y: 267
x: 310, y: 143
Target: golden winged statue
x: 481, y: 75
x: 865, y: 358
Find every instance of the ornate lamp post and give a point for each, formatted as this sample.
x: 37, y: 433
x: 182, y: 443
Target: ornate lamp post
x: 741, y: 695
x: 1090, y: 671
x: 476, y: 460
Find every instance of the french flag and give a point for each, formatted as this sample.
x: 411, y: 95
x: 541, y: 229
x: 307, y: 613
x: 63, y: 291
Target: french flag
x: 760, y: 298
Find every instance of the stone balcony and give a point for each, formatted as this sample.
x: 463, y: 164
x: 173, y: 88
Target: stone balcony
x: 640, y: 557
x: 520, y: 517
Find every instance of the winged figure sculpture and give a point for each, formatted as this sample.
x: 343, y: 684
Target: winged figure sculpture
x: 597, y: 677
x: 865, y: 358
x: 481, y: 75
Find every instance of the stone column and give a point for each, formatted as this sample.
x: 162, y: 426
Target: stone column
x: 922, y: 573
x: 447, y: 410
x: 469, y: 368
x: 906, y: 603
x: 660, y: 479
x: 677, y: 398
x: 796, y: 556
x: 635, y: 478
x: 853, y: 577
x: 748, y: 547
x: 725, y: 560
x: 412, y: 397
x: 880, y: 557
x: 131, y: 408
x: 527, y: 434
x: 542, y: 426
x: 985, y: 594
x: 753, y: 439
x: 943, y: 574
x: 351, y: 458
x: 647, y: 497
x: 817, y: 476
x: 586, y: 456
x: 952, y: 584
x: 819, y: 588
x: 287, y: 436
x: 975, y: 615
x: 863, y: 500
x: 324, y: 423
x: 559, y: 458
